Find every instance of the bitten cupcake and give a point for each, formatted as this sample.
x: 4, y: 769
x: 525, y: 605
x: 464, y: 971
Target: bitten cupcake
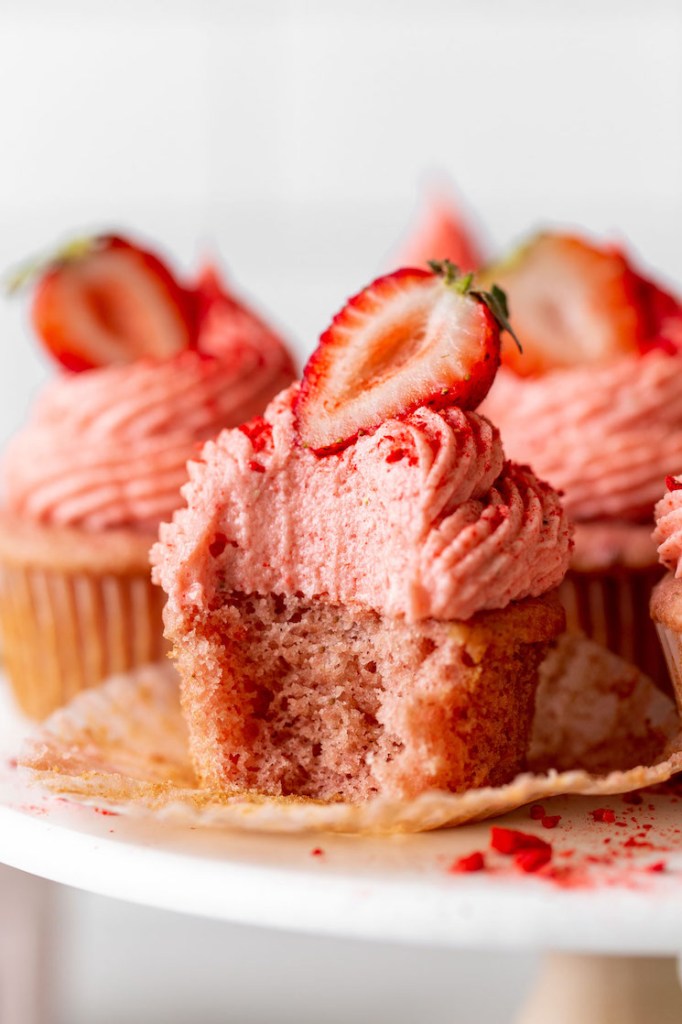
x: 149, y: 371
x: 594, y: 404
x: 361, y: 588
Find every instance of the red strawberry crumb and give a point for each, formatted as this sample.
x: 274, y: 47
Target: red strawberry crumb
x: 105, y: 812
x: 397, y: 454
x: 509, y: 840
x: 464, y: 865
x: 217, y: 545
x: 551, y: 820
x: 257, y: 467
x: 660, y: 865
x: 533, y: 860
x: 605, y: 815
x: 317, y: 852
x: 638, y: 844
x: 672, y: 484
x: 537, y: 812
x: 258, y: 432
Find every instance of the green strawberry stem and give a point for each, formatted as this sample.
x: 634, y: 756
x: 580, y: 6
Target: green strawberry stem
x: 495, y: 299
x: 23, y: 275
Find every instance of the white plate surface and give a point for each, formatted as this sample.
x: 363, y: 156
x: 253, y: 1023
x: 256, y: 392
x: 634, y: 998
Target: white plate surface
x: 396, y: 888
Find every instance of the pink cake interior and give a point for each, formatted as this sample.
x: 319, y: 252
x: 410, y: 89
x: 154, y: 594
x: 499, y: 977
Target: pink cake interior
x: 287, y: 696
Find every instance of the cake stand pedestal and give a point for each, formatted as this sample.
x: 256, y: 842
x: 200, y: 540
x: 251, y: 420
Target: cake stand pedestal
x: 598, y: 989
x: 610, y: 915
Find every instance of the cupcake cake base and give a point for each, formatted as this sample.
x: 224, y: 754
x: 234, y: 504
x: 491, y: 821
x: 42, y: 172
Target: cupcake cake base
x: 287, y: 696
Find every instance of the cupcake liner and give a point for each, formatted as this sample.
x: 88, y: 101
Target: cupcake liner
x: 125, y: 745
x: 671, y: 645
x: 66, y: 631
x: 611, y: 606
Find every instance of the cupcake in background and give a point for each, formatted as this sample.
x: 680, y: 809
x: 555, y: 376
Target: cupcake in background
x: 149, y: 371
x: 594, y: 404
x: 443, y: 230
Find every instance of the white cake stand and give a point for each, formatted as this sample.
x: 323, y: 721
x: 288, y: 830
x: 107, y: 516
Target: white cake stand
x: 612, y: 928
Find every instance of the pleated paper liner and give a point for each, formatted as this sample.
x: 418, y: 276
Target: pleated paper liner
x: 612, y: 607
x: 666, y: 614
x: 601, y: 728
x: 75, y: 608
x: 607, y: 590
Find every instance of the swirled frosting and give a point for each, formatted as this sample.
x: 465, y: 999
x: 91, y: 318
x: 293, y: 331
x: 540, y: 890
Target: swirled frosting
x: 668, y: 531
x: 423, y: 518
x: 108, y: 448
x: 605, y: 436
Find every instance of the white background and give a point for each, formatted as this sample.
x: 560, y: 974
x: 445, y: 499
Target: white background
x: 296, y: 138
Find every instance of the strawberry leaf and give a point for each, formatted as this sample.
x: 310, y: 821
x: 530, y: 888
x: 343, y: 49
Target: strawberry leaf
x: 24, y: 275
x: 495, y: 299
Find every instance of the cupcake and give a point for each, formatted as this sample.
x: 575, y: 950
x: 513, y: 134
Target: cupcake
x: 149, y: 371
x: 594, y: 404
x: 361, y: 588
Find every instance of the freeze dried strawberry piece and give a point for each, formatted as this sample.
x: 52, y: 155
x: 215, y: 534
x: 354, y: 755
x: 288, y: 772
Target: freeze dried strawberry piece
x: 465, y: 865
x: 509, y: 840
x: 411, y: 338
x: 604, y: 814
x: 104, y: 300
x: 532, y: 860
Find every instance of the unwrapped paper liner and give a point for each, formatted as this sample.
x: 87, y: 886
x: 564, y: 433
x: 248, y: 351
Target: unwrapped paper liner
x: 600, y: 728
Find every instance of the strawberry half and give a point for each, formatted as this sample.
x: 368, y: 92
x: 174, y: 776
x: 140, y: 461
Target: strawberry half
x: 662, y: 318
x: 412, y: 338
x: 442, y: 233
x: 572, y: 302
x: 105, y: 300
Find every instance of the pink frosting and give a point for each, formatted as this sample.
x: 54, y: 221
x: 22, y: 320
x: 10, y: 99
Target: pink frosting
x: 668, y: 532
x: 423, y: 519
x: 108, y: 448
x: 605, y: 436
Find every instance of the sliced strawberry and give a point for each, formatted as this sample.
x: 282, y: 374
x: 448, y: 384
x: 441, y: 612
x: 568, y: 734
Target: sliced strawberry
x: 107, y: 301
x: 662, y: 313
x: 572, y: 303
x: 442, y: 233
x: 412, y: 338
x: 222, y: 322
